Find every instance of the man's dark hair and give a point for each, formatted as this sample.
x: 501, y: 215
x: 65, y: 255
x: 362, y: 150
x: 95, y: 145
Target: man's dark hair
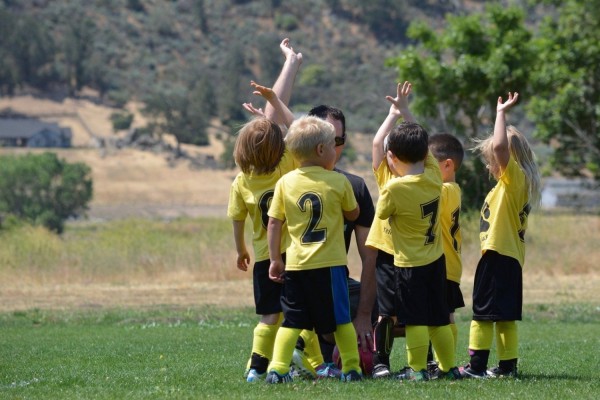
x: 323, y: 111
x: 445, y: 146
x: 408, y: 141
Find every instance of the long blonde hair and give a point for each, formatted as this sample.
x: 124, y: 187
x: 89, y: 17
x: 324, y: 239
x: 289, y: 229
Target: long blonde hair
x: 259, y: 147
x: 521, y: 151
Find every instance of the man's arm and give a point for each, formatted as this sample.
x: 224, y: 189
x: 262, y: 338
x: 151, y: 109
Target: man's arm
x: 368, y: 288
x: 285, y: 82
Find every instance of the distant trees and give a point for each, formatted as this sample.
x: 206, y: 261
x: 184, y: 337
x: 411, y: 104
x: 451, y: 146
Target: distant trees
x: 458, y: 74
x: 565, y: 101
x: 43, y: 190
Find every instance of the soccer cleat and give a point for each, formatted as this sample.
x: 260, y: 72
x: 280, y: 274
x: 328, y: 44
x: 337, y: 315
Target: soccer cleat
x: 381, y: 371
x: 432, y: 367
x: 328, y: 370
x: 468, y: 373
x: 302, y: 366
x: 274, y: 377
x: 254, y: 376
x: 498, y: 372
x: 352, y: 376
x: 453, y: 374
x: 409, y: 374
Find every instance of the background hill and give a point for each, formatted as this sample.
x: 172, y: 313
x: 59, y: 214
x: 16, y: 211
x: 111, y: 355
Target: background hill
x: 137, y: 49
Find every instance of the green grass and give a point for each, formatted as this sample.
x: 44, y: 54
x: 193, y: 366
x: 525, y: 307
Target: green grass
x: 201, y: 353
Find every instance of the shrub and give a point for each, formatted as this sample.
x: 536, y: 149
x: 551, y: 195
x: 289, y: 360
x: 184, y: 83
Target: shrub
x: 43, y: 190
x: 121, y: 121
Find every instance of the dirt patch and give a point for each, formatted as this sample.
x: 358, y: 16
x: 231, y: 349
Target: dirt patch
x: 538, y: 290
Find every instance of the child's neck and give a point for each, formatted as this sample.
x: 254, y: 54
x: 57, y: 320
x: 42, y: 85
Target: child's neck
x: 310, y: 163
x: 411, y: 169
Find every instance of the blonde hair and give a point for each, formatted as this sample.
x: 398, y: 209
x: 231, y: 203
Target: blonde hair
x: 259, y: 147
x: 305, y: 134
x: 521, y: 151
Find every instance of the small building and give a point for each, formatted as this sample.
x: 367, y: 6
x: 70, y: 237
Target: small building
x: 27, y: 132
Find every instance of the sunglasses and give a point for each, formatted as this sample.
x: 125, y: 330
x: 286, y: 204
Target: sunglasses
x: 340, y: 140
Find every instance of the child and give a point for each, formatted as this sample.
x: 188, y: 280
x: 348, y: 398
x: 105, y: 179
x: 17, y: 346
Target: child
x: 498, y: 286
x: 260, y: 153
x: 449, y: 153
x: 411, y: 202
x: 380, y: 236
x: 313, y: 200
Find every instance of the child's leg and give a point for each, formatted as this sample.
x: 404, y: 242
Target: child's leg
x: 507, y: 345
x: 311, y: 347
x: 454, y: 330
x: 481, y: 336
x: 264, y: 339
x: 443, y: 344
x: 345, y: 338
x: 417, y: 343
x: 285, y: 342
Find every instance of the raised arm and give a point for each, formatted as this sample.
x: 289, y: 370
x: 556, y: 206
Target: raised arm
x: 399, y: 108
x: 500, y: 139
x: 285, y: 82
x: 281, y: 111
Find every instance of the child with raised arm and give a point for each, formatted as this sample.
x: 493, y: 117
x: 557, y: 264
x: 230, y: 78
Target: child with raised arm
x: 498, y: 286
x: 411, y: 202
x: 380, y: 236
x: 449, y: 153
x: 313, y: 200
x: 261, y: 155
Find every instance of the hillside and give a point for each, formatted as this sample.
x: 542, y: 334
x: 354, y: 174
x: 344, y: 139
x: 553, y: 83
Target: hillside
x: 137, y: 49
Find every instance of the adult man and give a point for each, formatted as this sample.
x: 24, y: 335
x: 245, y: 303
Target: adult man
x: 362, y: 312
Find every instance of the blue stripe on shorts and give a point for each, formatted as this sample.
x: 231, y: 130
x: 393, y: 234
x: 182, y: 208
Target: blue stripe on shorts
x: 341, y: 299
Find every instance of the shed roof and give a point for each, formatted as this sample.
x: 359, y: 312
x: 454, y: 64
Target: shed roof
x: 17, y: 128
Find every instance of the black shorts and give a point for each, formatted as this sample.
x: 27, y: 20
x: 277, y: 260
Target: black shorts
x: 421, y: 294
x: 386, y: 293
x: 498, y: 288
x: 454, y: 296
x: 316, y: 299
x: 267, y: 293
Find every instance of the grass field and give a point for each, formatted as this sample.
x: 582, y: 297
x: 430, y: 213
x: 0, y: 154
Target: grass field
x: 201, y: 353
x: 140, y: 308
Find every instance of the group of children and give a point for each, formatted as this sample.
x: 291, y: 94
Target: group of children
x: 298, y: 205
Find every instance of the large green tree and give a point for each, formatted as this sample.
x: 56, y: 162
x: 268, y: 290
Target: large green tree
x: 44, y: 190
x: 566, y: 81
x: 459, y: 72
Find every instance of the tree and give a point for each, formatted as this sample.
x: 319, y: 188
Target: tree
x: 43, y: 189
x: 182, y: 112
x: 566, y: 83
x: 459, y: 72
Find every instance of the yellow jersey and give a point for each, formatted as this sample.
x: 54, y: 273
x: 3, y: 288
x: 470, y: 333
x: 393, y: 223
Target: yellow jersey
x: 451, y: 234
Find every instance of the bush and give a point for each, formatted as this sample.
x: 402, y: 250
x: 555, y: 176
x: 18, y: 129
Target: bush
x: 286, y: 22
x: 43, y: 190
x: 121, y: 121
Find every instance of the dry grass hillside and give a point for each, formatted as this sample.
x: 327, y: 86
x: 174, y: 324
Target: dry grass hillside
x: 130, y: 182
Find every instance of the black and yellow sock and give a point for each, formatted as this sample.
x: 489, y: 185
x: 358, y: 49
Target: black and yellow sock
x: 481, y: 337
x: 383, y: 339
x: 507, y: 340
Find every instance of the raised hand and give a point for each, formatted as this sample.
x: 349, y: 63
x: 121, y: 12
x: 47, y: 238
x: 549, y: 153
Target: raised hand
x: 258, y: 112
x: 510, y: 101
x: 263, y: 91
x: 288, y: 51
